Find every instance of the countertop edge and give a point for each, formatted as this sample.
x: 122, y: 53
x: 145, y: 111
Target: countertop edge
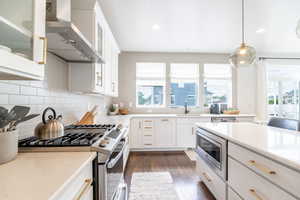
x: 285, y: 162
x: 67, y: 182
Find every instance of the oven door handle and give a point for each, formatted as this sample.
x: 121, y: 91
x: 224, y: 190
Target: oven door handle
x: 113, y: 162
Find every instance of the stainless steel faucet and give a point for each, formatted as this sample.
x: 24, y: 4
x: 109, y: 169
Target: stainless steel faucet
x: 186, y: 111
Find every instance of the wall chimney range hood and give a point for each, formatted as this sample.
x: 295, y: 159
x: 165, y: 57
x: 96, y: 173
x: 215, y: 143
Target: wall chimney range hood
x: 65, y: 40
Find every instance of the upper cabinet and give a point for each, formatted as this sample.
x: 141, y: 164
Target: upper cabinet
x: 95, y: 78
x: 23, y: 45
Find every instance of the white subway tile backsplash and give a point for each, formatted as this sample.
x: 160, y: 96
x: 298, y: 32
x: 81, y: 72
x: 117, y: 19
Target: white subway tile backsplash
x: 38, y: 96
x: 42, y: 92
x: 24, y: 90
x: 33, y: 100
x: 6, y: 88
x: 18, y: 100
x: 3, y: 99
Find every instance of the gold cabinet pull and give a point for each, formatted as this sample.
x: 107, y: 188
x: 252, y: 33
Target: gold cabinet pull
x: 261, y: 167
x: 84, y: 189
x: 206, y: 176
x: 148, y: 121
x: 44, y: 51
x: 254, y: 193
x: 147, y: 127
x: 164, y: 120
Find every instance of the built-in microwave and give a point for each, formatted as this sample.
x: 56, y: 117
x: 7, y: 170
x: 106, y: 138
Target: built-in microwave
x: 213, y: 150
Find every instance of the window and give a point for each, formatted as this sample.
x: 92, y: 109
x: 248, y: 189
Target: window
x: 184, y: 84
x: 150, y: 84
x: 217, y: 84
x: 283, y: 91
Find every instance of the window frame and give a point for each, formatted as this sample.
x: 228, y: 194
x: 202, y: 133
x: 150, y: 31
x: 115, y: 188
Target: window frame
x: 198, y: 78
x: 200, y: 82
x: 149, y: 79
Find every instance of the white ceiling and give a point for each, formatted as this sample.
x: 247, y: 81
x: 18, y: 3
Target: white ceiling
x: 203, y: 25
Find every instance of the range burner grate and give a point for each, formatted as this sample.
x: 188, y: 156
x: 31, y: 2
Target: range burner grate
x: 70, y: 139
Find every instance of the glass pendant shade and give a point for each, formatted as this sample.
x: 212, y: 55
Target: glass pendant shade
x: 243, y: 56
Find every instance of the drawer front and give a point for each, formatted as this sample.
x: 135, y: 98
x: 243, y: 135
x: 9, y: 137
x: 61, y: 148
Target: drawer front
x: 232, y: 195
x: 147, y: 123
x: 273, y: 171
x: 215, y: 184
x: 148, y: 132
x: 252, y: 186
x: 148, y: 139
x: 80, y: 187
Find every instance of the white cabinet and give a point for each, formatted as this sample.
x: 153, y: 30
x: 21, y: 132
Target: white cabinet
x: 186, y: 129
x: 255, y: 186
x: 136, y: 131
x: 95, y: 78
x: 23, y: 45
x: 275, y: 172
x: 232, y: 195
x: 215, y: 184
x: 165, y: 132
x: 152, y: 133
x: 80, y: 187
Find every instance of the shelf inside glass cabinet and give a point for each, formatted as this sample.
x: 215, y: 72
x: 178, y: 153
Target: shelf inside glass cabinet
x: 14, y: 37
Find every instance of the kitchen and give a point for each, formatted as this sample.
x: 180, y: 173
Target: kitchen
x: 109, y: 100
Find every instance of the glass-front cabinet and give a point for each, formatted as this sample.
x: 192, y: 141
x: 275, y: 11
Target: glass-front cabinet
x: 23, y: 45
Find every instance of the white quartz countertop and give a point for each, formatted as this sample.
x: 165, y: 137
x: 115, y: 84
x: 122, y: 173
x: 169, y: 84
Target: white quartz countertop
x: 181, y: 115
x: 278, y: 144
x: 38, y: 176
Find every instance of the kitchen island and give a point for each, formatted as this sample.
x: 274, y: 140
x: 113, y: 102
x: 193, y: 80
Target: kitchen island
x: 37, y: 176
x: 263, y: 162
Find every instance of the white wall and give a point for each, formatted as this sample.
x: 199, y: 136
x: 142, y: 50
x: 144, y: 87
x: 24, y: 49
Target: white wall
x: 127, y: 73
x: 53, y: 91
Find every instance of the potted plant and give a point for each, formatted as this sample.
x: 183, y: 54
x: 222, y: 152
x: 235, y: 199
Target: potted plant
x: 8, y: 130
x: 113, y: 109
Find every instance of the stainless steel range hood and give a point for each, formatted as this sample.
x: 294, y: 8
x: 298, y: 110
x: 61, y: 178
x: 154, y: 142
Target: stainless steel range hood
x: 65, y: 40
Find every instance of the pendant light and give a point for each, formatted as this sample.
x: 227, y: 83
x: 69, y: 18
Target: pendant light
x: 244, y: 55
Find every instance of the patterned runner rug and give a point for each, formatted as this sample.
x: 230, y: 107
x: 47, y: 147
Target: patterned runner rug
x: 152, y: 186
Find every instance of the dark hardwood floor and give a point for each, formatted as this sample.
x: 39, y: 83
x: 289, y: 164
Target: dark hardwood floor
x: 182, y: 169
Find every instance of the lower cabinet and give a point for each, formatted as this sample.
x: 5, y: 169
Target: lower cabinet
x: 255, y: 186
x: 215, y: 184
x: 80, y: 187
x: 149, y: 133
x: 186, y: 131
x: 232, y: 195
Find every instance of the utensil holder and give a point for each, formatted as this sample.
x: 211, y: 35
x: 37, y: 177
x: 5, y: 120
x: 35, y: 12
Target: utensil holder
x: 8, y: 146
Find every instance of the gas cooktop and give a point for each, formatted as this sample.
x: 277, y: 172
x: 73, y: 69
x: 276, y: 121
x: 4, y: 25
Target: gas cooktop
x: 75, y: 136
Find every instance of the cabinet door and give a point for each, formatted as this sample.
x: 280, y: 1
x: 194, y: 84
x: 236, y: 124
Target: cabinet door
x: 135, y: 139
x: 186, y: 135
x: 114, y: 71
x: 165, y: 133
x: 108, y: 68
x: 22, y: 39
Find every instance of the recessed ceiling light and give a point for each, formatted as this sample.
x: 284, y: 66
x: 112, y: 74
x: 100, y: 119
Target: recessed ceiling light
x: 155, y: 27
x: 260, y: 30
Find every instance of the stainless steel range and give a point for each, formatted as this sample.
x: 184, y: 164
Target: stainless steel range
x: 109, y: 143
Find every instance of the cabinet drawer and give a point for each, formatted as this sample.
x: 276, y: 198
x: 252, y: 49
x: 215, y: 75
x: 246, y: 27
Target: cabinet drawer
x: 232, y: 195
x: 80, y: 187
x: 273, y: 171
x: 215, y: 184
x: 148, y: 140
x: 148, y: 132
x: 252, y: 186
x: 147, y: 123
